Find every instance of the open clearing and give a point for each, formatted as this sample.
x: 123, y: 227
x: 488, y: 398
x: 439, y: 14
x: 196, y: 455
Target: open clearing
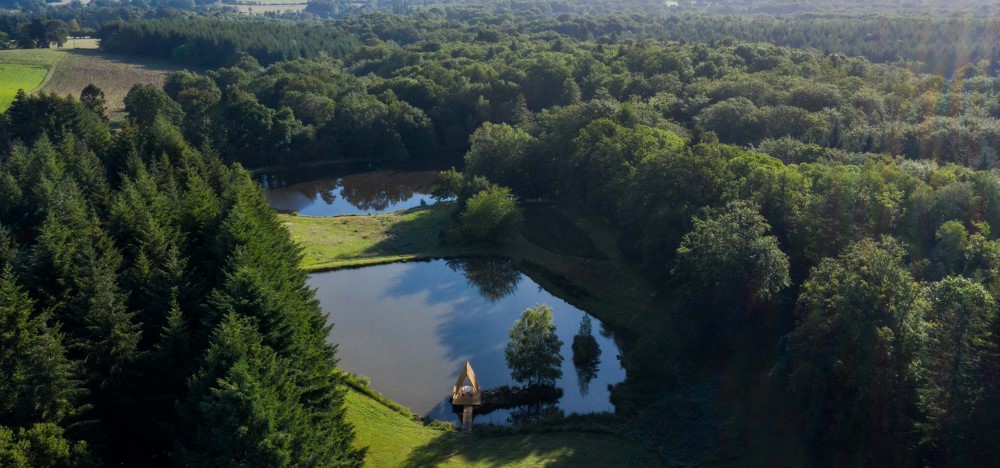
x: 351, y: 241
x: 114, y: 74
x: 70, y: 69
x: 24, y: 69
x: 394, y: 440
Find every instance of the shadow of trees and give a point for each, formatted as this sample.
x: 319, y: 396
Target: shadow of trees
x: 554, y: 449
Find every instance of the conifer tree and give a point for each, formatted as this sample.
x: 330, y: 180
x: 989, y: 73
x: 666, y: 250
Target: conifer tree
x: 244, y: 407
x: 262, y: 281
x: 37, y: 381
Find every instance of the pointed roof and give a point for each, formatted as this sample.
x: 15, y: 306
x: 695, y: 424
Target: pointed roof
x: 467, y: 372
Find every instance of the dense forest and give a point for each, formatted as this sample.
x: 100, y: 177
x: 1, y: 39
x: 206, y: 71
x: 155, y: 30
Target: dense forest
x: 147, y: 285
x: 826, y: 226
x: 418, y: 86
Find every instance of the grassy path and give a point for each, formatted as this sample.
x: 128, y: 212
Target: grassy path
x: 394, y: 440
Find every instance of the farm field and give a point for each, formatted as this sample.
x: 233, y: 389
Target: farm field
x: 115, y: 75
x: 24, y: 69
x: 70, y: 69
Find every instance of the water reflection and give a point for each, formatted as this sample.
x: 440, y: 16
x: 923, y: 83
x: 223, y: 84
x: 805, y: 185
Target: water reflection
x: 586, y: 355
x: 410, y: 327
x: 369, y: 192
x: 494, y: 277
x: 533, y: 414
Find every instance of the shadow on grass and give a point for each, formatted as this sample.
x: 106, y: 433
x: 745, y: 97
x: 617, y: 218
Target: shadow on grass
x: 416, y: 231
x: 503, y: 450
x: 550, y: 229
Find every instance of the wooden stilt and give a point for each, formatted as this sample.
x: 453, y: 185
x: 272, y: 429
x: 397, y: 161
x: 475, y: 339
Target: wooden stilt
x: 467, y: 418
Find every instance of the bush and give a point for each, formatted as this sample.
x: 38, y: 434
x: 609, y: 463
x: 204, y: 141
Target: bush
x: 487, y: 213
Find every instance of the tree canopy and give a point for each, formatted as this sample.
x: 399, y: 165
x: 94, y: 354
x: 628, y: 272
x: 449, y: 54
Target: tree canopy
x: 533, y: 352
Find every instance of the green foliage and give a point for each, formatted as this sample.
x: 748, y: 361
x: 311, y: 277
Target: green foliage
x: 854, y: 354
x: 138, y: 247
x: 533, y: 352
x: 133, y: 271
x: 487, y: 213
x: 951, y: 242
x: 499, y: 153
x: 144, y: 103
x: 32, y: 116
x: 729, y: 262
x: 41, y: 445
x: 960, y: 342
x: 244, y: 407
x: 93, y: 97
x: 203, y: 41
x: 37, y: 381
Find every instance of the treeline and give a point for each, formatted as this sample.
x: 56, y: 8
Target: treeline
x: 923, y: 44
x: 208, y: 42
x: 152, y: 308
x: 941, y: 45
x: 791, y: 7
x: 33, y: 34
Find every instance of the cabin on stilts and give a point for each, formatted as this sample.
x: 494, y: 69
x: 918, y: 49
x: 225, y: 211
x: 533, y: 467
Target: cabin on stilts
x: 466, y: 394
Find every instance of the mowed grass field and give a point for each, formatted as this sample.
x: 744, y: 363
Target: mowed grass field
x: 394, y: 440
x: 352, y: 241
x: 24, y: 69
x: 70, y: 69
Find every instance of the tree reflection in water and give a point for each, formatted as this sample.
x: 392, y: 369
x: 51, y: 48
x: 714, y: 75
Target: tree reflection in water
x: 586, y: 354
x: 534, y: 413
x: 370, y: 192
x: 494, y: 277
x: 376, y: 191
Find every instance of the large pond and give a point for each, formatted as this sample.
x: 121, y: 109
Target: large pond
x: 410, y: 327
x: 361, y: 193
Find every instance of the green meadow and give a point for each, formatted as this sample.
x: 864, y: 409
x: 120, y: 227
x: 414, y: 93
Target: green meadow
x: 24, y: 69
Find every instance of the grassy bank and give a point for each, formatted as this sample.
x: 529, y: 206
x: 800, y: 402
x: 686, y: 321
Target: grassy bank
x: 350, y: 241
x: 597, y: 279
x: 394, y: 440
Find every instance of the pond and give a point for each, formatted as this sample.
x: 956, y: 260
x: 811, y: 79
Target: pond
x: 361, y: 193
x: 410, y: 327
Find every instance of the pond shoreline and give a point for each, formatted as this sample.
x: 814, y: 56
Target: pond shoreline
x: 611, y: 289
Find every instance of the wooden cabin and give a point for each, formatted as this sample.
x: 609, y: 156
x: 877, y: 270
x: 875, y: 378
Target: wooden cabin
x: 466, y: 390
